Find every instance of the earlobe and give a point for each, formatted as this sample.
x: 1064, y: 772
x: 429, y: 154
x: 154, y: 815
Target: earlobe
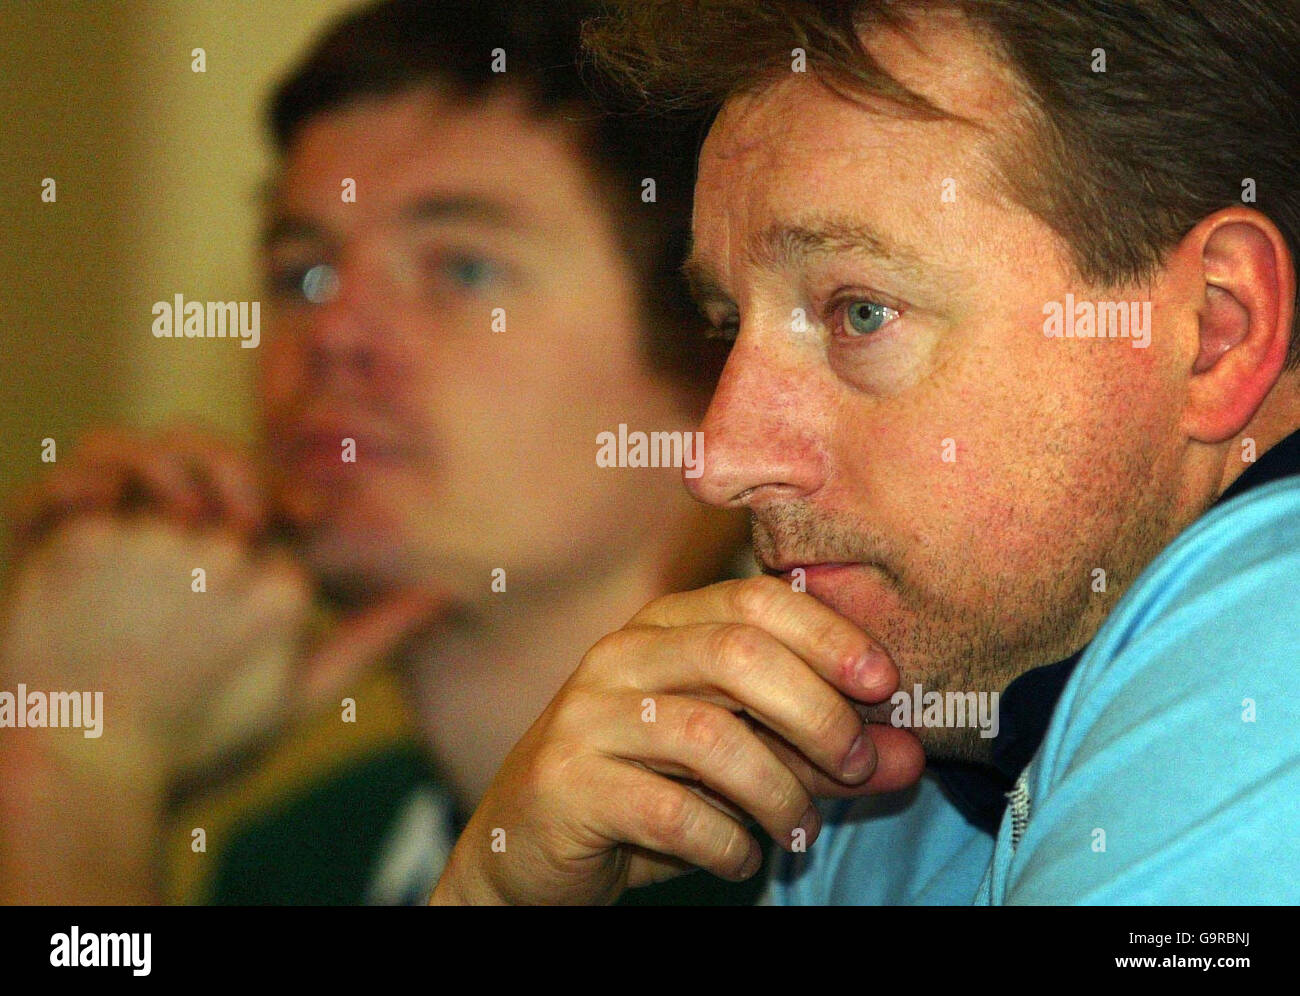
x: 1244, y: 324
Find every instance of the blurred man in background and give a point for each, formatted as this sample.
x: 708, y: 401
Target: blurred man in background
x: 471, y: 274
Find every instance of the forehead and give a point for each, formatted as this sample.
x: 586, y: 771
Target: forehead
x: 400, y: 147
x: 796, y: 142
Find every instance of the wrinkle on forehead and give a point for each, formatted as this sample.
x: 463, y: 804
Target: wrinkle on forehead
x: 941, y: 56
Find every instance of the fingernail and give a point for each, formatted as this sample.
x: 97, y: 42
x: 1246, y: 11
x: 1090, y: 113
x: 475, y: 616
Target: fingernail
x: 861, y: 759
x: 811, y: 822
x: 869, y: 670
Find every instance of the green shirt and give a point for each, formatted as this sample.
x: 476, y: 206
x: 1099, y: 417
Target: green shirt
x: 379, y: 831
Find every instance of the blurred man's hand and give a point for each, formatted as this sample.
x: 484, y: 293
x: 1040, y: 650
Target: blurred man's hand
x: 113, y: 604
x: 106, y: 596
x: 103, y: 596
x: 185, y: 475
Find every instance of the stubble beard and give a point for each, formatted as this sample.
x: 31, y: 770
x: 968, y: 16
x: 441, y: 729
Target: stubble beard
x: 961, y: 626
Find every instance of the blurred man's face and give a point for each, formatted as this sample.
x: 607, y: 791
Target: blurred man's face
x: 475, y: 447
x: 924, y: 340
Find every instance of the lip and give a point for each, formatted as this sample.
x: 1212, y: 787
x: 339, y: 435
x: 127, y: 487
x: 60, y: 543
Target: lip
x: 319, y: 446
x: 784, y: 565
x: 819, y: 569
x: 830, y: 582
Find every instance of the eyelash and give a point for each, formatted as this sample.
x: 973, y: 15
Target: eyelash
x: 834, y: 317
x: 838, y: 313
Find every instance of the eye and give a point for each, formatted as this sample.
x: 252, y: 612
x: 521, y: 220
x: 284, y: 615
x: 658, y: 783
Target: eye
x: 862, y: 317
x: 286, y: 280
x: 306, y: 282
x: 471, y: 272
x: 320, y: 284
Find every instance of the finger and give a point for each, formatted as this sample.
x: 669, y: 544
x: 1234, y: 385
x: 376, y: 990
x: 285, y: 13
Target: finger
x: 38, y: 509
x: 706, y: 743
x: 142, y: 473
x: 900, y: 761
x: 364, y: 640
x: 112, y: 476
x: 715, y: 799
x: 815, y: 781
x: 742, y: 668
x: 900, y: 758
x: 647, y: 811
x: 227, y: 478
x: 840, y: 651
x: 647, y: 868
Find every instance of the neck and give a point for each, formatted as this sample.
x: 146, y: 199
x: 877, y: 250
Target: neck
x: 1276, y: 419
x: 480, y: 683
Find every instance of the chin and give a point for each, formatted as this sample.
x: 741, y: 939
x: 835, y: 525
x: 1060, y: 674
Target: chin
x: 956, y: 745
x: 357, y: 562
x: 862, y: 593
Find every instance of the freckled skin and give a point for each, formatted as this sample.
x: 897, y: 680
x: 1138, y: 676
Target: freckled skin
x: 1068, y: 452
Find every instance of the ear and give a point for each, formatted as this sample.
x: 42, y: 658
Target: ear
x: 1244, y: 321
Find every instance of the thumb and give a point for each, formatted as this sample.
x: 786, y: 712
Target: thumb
x: 362, y: 641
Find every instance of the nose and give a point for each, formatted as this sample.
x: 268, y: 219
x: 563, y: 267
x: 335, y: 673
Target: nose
x: 346, y: 326
x: 764, y: 430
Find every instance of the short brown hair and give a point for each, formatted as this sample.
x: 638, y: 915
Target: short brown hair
x: 1197, y: 97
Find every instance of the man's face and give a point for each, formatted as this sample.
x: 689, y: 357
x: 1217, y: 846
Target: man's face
x: 475, y: 428
x: 891, y: 409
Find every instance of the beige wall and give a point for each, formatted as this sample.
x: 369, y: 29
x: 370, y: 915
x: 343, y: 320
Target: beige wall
x: 157, y: 169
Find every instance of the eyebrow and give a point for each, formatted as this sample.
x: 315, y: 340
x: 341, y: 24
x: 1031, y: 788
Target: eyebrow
x: 792, y: 244
x: 466, y: 207
x: 431, y: 209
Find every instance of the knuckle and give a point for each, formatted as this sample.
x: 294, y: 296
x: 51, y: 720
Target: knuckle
x: 277, y: 597
x: 569, y: 717
x: 611, y: 651
x: 755, y: 599
x: 546, y: 773
x: 543, y: 773
x: 652, y: 610
x: 832, y: 632
x: 833, y: 725
x: 704, y: 731
x: 665, y: 815
x: 280, y: 571
x: 85, y: 536
x: 733, y: 646
x: 76, y: 547
x: 788, y: 800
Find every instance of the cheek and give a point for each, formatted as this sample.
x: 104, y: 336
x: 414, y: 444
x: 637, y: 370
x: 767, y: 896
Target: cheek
x: 952, y: 474
x: 517, y: 424
x: 277, y: 373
